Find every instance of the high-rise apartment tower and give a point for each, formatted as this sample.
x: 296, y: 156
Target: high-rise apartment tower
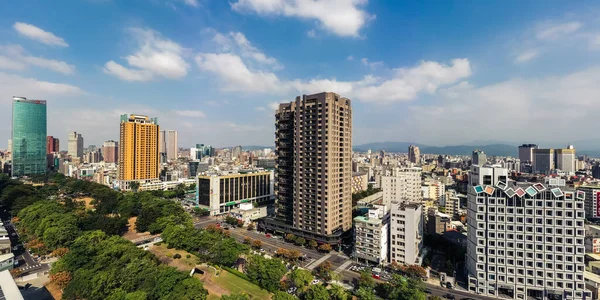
x: 138, y: 150
x: 414, y: 154
x: 313, y: 140
x: 172, y: 148
x: 75, y: 144
x: 110, y: 151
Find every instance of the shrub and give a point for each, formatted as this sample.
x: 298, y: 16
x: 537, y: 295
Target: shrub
x: 188, y: 256
x: 177, y: 256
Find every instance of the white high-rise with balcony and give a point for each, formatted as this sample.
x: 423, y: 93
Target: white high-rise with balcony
x: 526, y: 240
x: 406, y: 233
x: 403, y: 186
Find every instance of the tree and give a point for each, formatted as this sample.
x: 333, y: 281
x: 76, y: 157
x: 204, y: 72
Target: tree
x: 264, y: 272
x: 281, y: 252
x: 324, y: 270
x: 256, y: 244
x: 279, y: 295
x: 60, y: 252
x: 325, y: 248
x: 449, y: 267
x: 134, y: 185
x: 312, y: 244
x: 317, y: 292
x: 61, y: 279
x: 292, y: 255
x: 250, y: 227
x: 290, y: 237
x: 337, y: 292
x: 300, y: 241
x: 415, y: 271
x: 247, y: 240
x: 366, y: 281
x: 366, y: 294
x: 300, y: 278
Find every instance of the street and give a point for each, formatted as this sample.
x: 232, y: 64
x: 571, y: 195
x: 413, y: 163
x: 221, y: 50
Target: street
x: 340, y: 263
x: 27, y: 264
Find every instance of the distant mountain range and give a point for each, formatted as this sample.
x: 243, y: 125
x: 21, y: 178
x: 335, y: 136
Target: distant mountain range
x: 492, y: 148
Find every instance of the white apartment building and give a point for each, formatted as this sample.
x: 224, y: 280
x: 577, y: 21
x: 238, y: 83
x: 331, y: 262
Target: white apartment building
x: 404, y: 185
x: 565, y: 159
x: 525, y: 241
x: 592, y: 200
x: 75, y: 145
x: 371, y: 235
x: 406, y: 233
x: 451, y: 203
x: 433, y: 190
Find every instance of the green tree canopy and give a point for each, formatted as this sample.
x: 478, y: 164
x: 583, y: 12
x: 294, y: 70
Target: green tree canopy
x: 265, y: 272
x: 316, y: 292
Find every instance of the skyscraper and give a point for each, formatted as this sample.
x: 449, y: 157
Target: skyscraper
x: 52, y: 145
x: 565, y: 159
x: 162, y: 146
x: 75, y: 144
x: 479, y: 158
x: 526, y: 152
x: 172, y: 145
x: 28, y: 137
x: 110, y: 151
x: 235, y: 152
x: 543, y: 161
x: 414, y: 154
x: 138, y: 150
x: 313, y: 141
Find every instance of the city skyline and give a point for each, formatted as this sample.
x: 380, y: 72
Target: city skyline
x: 401, y: 72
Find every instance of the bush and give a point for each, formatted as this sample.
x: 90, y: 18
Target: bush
x: 237, y: 273
x: 177, y: 256
x: 188, y: 256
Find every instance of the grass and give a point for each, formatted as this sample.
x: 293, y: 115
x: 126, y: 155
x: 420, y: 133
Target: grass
x: 235, y: 284
x: 183, y: 263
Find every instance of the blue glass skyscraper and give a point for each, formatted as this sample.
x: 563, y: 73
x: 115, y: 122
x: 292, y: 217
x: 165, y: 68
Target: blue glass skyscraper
x: 28, y: 137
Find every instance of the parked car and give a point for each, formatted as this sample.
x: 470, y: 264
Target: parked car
x: 449, y: 285
x: 315, y: 281
x: 449, y: 296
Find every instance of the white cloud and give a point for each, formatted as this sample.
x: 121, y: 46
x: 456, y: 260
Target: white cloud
x: 372, y: 65
x: 515, y: 105
x: 236, y: 42
x: 14, y: 85
x: 190, y: 113
x: 260, y: 108
x: 311, y: 33
x: 38, y: 34
x: 193, y: 3
x: 341, y: 17
x: 554, y: 31
x: 350, y: 57
x: 19, y: 60
x: 274, y: 105
x: 405, y: 84
x: 156, y: 57
x: 235, y: 75
x: 527, y: 55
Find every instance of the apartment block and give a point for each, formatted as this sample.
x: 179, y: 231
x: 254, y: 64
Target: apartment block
x: 138, y: 150
x: 313, y: 179
x: 360, y: 182
x: 543, y: 161
x: 565, y: 160
x: 75, y: 146
x: 222, y: 193
x: 404, y: 185
x: 591, y: 201
x: 526, y: 240
x: 110, y: 152
x: 414, y: 154
x: 371, y: 233
x: 406, y: 233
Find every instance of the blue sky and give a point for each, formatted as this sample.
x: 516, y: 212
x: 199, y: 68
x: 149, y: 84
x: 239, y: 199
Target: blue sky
x: 432, y: 72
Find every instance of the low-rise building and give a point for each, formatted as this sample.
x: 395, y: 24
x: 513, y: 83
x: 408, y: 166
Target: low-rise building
x: 371, y: 235
x: 592, y: 239
x: 406, y: 233
x: 592, y: 283
x: 8, y: 287
x: 220, y: 193
x: 360, y: 182
x: 7, y: 261
x: 248, y: 213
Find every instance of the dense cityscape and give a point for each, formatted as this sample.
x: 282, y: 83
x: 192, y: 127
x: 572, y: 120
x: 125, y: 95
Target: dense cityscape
x: 166, y: 200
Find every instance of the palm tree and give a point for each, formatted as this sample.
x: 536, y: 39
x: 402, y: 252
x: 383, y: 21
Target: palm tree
x: 134, y: 185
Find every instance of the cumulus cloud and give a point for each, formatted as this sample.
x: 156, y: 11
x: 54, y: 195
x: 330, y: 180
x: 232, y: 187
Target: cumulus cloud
x: 404, y: 85
x: 365, y: 61
x: 274, y: 105
x: 14, y: 85
x: 527, y: 55
x: 157, y: 56
x: 554, y: 31
x: 506, y: 108
x: 341, y: 17
x: 236, y: 42
x: 190, y: 113
x: 38, y: 34
x: 16, y: 59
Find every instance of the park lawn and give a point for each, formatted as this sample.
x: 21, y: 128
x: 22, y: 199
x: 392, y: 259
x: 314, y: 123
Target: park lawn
x: 183, y: 264
x: 233, y: 284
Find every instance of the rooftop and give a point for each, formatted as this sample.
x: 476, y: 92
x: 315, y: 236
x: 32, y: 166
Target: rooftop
x: 8, y: 287
x: 363, y: 219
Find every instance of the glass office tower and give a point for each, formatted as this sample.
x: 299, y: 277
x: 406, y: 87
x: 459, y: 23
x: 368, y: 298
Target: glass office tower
x: 28, y: 137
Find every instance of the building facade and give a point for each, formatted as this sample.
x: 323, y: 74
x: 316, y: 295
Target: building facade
x: 222, y: 193
x: 138, y: 150
x: 110, y: 151
x: 360, y: 182
x: 526, y: 153
x: 478, y: 158
x: 75, y: 147
x: 414, y: 154
x: 52, y: 145
x: 403, y: 186
x: 543, y: 161
x: 406, y: 233
x: 592, y: 200
x: 313, y: 142
x: 172, y: 145
x: 525, y: 241
x: 28, y: 137
x: 371, y: 234
x: 565, y: 160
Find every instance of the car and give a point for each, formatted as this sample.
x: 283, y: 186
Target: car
x: 16, y: 263
x: 468, y: 298
x: 292, y: 290
x: 14, y: 234
x: 427, y: 291
x: 449, y: 285
x: 267, y: 235
x: 449, y: 296
x: 376, y: 275
x: 315, y: 281
x: 262, y: 250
